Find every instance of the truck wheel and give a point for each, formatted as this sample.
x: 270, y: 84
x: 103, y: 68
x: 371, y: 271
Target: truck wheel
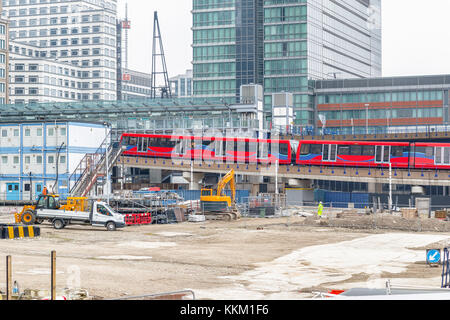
x: 58, y: 224
x: 28, y: 217
x: 111, y: 226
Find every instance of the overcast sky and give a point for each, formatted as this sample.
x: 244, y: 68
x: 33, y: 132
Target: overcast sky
x: 416, y: 37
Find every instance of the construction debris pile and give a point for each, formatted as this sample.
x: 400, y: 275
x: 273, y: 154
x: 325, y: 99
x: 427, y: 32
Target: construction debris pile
x: 156, y: 207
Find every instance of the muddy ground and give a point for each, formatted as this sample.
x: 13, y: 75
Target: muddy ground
x: 273, y: 258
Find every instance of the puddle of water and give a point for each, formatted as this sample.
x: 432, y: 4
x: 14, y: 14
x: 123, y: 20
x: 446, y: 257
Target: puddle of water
x: 173, y: 234
x: 146, y: 245
x: 124, y: 258
x: 38, y: 272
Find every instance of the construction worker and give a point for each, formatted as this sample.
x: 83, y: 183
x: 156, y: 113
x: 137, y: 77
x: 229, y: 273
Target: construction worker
x: 45, y: 191
x: 320, y: 210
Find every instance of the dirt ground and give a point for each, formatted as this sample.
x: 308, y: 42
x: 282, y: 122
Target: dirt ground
x: 274, y: 258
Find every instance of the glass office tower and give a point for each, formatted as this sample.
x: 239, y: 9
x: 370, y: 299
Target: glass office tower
x: 298, y: 40
x: 228, y: 46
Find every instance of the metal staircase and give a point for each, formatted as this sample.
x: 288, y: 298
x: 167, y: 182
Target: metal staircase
x: 94, y: 167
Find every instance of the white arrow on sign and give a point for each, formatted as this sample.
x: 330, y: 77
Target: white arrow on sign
x: 433, y: 257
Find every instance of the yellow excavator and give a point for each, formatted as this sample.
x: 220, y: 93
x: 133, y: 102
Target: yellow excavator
x: 216, y: 205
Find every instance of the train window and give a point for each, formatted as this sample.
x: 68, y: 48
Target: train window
x: 356, y: 150
x: 253, y: 147
x: 368, y: 151
x: 304, y: 151
x: 206, y: 143
x: 344, y: 150
x: 397, y: 152
x: 145, y: 144
x: 386, y: 154
x: 263, y: 150
x: 316, y: 149
x: 240, y: 146
x: 180, y: 147
x: 427, y: 151
x: 139, y: 144
x: 132, y: 141
x: 326, y: 152
x: 446, y: 155
x: 378, y: 153
x: 333, y: 152
x: 438, y: 159
x: 284, y: 149
x: 219, y: 150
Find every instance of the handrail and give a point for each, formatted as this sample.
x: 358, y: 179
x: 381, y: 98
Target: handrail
x: 89, y: 173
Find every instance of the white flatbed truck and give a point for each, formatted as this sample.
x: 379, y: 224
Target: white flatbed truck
x: 48, y: 209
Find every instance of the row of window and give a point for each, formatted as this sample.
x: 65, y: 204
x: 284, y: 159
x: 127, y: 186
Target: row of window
x: 62, y: 95
x: 34, y: 11
x: 216, y: 18
x: 43, y: 54
x: 75, y: 8
x: 396, y: 96
x: 282, y: 14
x: 57, y: 94
x: 212, y: 4
x: 37, y: 159
x: 37, y: 132
x: 384, y: 113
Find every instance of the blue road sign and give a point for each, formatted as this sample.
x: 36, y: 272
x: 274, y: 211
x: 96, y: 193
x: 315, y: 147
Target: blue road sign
x: 434, y: 256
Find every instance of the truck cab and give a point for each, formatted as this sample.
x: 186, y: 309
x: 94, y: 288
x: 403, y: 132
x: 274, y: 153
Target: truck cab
x: 103, y: 215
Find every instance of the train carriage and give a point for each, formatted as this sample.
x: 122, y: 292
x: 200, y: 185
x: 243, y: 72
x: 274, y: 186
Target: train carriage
x: 354, y: 154
x: 374, y: 154
x: 285, y: 152
x: 238, y: 150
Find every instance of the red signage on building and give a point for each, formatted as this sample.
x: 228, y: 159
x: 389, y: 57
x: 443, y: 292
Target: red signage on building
x: 126, y: 24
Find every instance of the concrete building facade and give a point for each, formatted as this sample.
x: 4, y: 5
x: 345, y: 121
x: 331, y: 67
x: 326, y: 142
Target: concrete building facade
x: 4, y: 59
x: 81, y: 33
x: 34, y: 155
x: 382, y: 104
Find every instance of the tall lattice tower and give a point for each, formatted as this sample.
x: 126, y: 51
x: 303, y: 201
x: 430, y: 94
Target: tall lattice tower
x: 158, y: 52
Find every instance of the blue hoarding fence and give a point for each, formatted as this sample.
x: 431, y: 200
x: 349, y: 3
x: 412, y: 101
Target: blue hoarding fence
x: 341, y: 199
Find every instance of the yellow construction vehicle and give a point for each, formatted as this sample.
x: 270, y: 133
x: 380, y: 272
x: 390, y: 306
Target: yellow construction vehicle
x: 217, y: 205
x: 50, y: 201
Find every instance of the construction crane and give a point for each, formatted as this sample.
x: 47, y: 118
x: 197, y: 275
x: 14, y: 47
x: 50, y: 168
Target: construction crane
x: 217, y: 205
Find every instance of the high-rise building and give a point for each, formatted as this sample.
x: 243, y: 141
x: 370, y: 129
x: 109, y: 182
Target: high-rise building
x: 299, y: 40
x: 4, y: 59
x: 81, y: 33
x: 182, y: 85
x: 227, y: 44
